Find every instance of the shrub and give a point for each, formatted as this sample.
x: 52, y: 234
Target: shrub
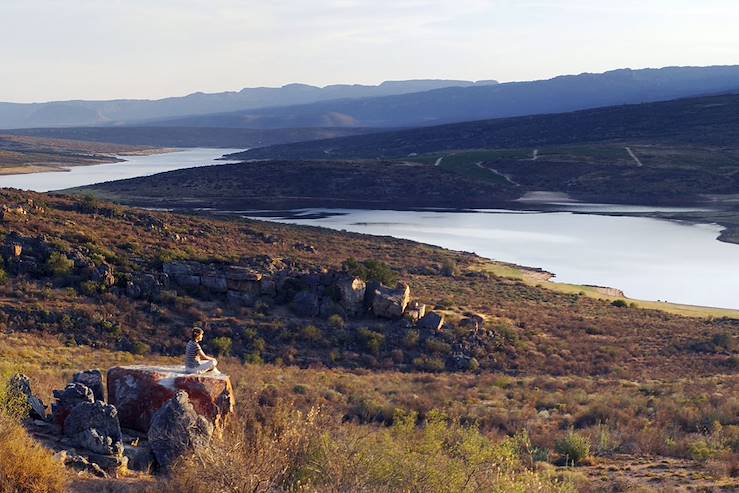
x: 425, y: 363
x: 59, y: 265
x: 619, y: 303
x: 3, y: 276
x: 311, y: 333
x: 222, y: 345
x: 370, y: 340
x: 411, y: 339
x: 140, y: 348
x: 25, y: 465
x: 573, y: 448
x: 371, y: 270
x: 449, y: 268
x: 336, y: 321
x: 12, y: 403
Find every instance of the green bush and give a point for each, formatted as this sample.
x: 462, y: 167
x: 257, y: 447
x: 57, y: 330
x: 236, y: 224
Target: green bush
x: 619, y: 303
x: 3, y: 276
x: 222, y: 345
x: 59, y: 265
x: 573, y: 448
x: 311, y: 333
x: 140, y: 348
x: 425, y: 363
x: 370, y: 340
x: 371, y: 270
x: 336, y: 321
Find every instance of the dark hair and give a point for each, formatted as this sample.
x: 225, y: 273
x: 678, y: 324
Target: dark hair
x: 196, y: 332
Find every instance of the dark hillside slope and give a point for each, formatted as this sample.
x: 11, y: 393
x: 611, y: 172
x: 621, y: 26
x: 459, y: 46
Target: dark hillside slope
x: 712, y: 120
x: 458, y: 104
x: 276, y: 184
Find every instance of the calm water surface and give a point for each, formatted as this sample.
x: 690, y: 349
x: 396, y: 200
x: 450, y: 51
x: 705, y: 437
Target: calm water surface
x: 133, y: 166
x: 648, y: 259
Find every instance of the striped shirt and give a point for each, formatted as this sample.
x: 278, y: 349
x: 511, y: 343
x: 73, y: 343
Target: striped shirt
x: 191, y: 352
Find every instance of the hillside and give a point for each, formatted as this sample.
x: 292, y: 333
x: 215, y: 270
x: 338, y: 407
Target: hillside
x: 295, y: 184
x: 232, y: 138
x: 706, y: 121
x: 83, y: 113
x: 458, y: 104
x: 89, y: 284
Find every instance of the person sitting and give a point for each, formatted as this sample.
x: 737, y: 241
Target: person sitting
x: 196, y: 361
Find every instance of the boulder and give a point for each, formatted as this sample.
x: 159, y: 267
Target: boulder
x: 67, y: 399
x: 415, y: 311
x: 93, y: 379
x: 20, y: 386
x: 138, y: 392
x: 140, y: 459
x: 390, y: 303
x: 431, y: 321
x: 351, y: 294
x: 95, y: 427
x: 177, y: 429
x: 305, y: 304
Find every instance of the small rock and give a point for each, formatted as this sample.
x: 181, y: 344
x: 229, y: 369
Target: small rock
x: 140, y: 459
x: 433, y: 321
x: 93, y: 379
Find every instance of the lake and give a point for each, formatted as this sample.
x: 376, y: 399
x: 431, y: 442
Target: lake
x: 133, y: 166
x: 648, y: 259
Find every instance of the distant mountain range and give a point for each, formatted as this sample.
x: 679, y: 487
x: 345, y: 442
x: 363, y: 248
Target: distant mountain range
x: 120, y: 111
x: 706, y: 121
x: 457, y: 104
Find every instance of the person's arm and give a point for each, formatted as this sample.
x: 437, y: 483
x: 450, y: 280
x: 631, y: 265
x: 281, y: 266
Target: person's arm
x: 203, y: 356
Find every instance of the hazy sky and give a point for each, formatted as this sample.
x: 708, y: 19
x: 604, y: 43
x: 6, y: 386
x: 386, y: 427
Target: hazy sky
x: 102, y: 49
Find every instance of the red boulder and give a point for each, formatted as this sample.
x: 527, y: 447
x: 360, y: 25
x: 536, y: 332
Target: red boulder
x: 138, y: 392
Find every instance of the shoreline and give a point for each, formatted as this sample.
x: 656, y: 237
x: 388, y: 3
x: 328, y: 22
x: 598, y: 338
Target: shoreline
x: 92, y: 160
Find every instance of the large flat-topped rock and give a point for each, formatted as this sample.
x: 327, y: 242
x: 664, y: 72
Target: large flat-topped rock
x: 139, y: 391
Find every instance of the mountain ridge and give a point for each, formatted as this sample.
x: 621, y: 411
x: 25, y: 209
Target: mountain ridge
x: 80, y: 112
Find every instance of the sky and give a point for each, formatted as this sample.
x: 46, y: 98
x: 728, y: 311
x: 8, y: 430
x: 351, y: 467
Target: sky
x: 106, y: 49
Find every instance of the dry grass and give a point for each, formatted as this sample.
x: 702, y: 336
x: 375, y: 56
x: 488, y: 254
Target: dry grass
x: 25, y: 465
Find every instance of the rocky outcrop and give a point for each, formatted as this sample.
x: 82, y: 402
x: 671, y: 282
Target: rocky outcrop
x: 93, y: 379
x: 306, y: 304
x: 67, y: 399
x: 390, y: 303
x: 95, y: 427
x: 177, y: 429
x: 20, y: 387
x: 138, y: 392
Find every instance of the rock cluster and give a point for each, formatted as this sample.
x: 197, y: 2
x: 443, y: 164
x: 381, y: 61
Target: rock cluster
x: 154, y: 416
x: 309, y: 294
